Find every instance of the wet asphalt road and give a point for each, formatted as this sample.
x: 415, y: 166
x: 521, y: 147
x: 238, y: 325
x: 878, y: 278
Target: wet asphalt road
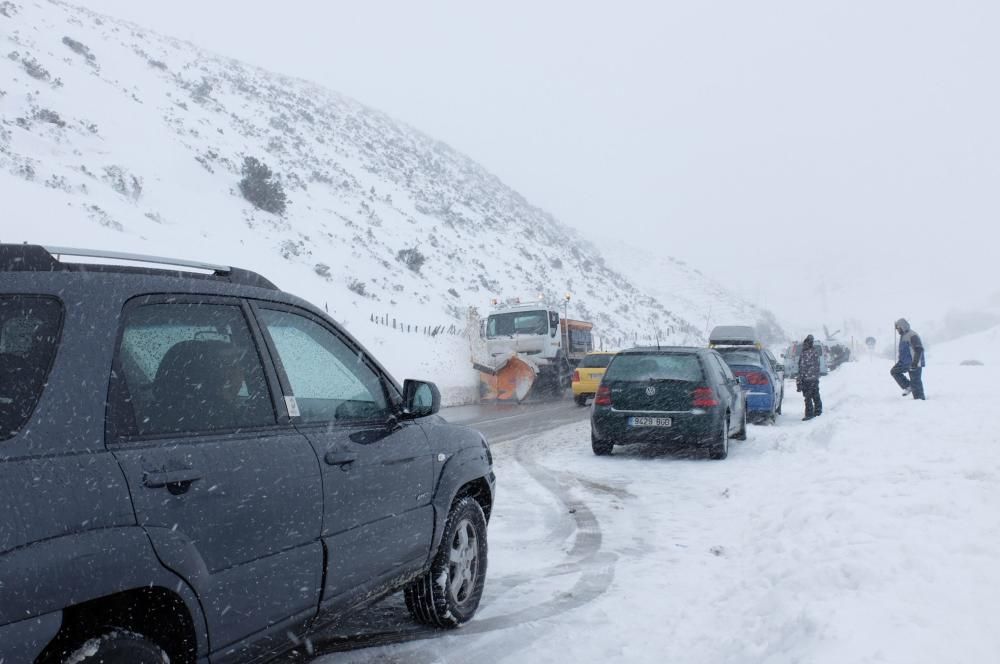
x: 388, y: 621
x: 503, y: 422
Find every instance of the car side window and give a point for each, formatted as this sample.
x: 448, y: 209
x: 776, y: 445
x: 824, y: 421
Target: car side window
x: 192, y: 367
x: 331, y: 381
x: 29, y: 337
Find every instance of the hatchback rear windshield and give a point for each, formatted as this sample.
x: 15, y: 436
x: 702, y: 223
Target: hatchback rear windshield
x: 732, y: 357
x: 29, y: 335
x: 596, y: 361
x: 675, y: 366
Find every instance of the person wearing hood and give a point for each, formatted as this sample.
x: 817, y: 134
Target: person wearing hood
x: 910, y: 360
x: 807, y: 381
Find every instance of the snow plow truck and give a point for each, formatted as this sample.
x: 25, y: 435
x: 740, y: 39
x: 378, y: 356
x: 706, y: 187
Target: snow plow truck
x: 529, y: 350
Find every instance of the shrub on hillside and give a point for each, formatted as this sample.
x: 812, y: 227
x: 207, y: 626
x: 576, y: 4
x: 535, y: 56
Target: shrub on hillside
x: 358, y: 286
x: 35, y: 69
x: 49, y: 116
x: 261, y: 188
x: 79, y: 47
x: 411, y: 258
x: 123, y: 182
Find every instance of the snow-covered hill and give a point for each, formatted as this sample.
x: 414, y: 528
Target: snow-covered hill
x: 692, y: 295
x: 981, y: 347
x: 114, y: 137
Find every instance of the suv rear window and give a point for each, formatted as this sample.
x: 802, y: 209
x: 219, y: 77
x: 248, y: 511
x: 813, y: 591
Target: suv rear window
x: 29, y: 336
x: 660, y: 366
x: 596, y: 361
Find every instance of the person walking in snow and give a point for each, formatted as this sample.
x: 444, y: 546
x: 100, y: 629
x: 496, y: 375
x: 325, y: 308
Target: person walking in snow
x: 910, y: 360
x: 807, y: 381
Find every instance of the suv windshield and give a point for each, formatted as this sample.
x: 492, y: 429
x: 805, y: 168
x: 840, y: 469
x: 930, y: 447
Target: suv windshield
x: 517, y: 322
x: 660, y: 366
x: 596, y: 361
x: 29, y: 335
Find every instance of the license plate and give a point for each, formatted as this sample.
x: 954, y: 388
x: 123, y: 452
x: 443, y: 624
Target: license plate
x: 595, y: 376
x: 649, y: 421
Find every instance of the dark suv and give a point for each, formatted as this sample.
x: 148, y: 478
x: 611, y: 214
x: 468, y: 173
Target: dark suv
x: 201, y: 467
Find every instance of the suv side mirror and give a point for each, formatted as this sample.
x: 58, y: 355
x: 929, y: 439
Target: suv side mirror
x: 420, y: 398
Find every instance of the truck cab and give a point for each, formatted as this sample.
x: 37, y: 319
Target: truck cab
x: 528, y: 346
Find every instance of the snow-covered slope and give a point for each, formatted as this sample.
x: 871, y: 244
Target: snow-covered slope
x: 114, y: 137
x: 979, y: 347
x: 691, y: 294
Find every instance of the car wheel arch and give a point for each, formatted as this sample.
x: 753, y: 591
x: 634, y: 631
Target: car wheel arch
x: 476, y: 487
x: 166, y: 621
x: 479, y: 490
x: 464, y: 472
x: 132, y: 568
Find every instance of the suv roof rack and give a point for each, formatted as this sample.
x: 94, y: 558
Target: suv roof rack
x: 37, y: 258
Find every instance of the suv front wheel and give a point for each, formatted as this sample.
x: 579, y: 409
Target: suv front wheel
x: 448, y: 595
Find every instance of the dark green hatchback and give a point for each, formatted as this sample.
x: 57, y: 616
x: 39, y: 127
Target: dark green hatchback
x: 668, y: 395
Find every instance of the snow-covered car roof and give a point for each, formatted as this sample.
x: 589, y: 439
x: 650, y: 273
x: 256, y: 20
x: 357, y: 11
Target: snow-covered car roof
x: 733, y: 335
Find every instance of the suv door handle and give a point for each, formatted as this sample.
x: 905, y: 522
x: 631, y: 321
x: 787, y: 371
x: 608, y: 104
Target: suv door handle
x: 340, y: 457
x: 181, y: 479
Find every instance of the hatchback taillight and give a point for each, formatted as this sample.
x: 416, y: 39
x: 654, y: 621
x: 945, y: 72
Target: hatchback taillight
x: 576, y: 376
x: 704, y: 397
x: 603, y: 397
x: 754, y: 377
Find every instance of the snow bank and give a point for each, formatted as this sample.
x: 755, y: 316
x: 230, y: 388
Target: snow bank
x: 869, y: 535
x: 981, y: 347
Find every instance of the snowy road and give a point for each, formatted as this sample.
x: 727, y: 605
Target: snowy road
x: 869, y: 535
x: 502, y: 422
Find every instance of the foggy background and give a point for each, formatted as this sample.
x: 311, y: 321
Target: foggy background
x: 832, y: 162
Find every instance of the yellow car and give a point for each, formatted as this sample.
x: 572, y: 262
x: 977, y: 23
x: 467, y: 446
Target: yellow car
x: 588, y: 376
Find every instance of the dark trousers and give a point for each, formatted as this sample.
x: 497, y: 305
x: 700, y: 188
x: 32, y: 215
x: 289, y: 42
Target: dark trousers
x: 916, y: 382
x: 810, y: 392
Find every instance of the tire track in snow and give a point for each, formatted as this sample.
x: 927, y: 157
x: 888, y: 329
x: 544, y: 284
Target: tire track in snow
x: 596, y: 570
x: 594, y: 567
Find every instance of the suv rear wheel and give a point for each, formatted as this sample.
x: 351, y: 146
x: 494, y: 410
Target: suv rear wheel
x: 119, y: 647
x: 448, y: 595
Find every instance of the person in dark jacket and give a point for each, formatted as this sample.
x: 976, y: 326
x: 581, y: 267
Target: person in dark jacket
x: 807, y: 381
x: 910, y: 360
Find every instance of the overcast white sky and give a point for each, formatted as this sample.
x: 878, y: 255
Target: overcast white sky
x: 830, y: 160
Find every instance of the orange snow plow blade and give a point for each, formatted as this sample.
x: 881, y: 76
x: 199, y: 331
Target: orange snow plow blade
x: 512, y: 381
